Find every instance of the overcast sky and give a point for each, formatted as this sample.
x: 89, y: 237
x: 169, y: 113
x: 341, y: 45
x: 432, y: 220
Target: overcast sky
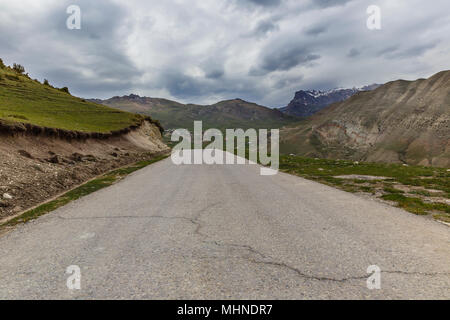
x: 203, y: 51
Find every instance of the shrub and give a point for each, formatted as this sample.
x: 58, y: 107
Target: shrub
x: 65, y: 89
x: 18, y: 68
x: 2, y: 65
x: 46, y: 82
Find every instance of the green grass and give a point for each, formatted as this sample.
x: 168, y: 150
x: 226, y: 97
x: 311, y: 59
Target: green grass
x: 25, y: 100
x: 326, y: 171
x: 81, y: 191
x: 421, y: 193
x: 442, y: 217
x: 368, y: 189
x: 427, y: 177
x: 392, y: 190
x: 416, y: 205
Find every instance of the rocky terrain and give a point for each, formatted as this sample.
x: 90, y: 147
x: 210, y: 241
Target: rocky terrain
x: 402, y: 121
x: 34, y: 167
x: 307, y: 103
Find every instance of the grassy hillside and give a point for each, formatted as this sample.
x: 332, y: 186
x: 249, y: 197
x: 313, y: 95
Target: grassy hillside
x: 401, y: 121
x: 226, y: 114
x: 25, y: 100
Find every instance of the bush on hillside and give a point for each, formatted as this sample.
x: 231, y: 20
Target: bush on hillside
x: 46, y: 82
x: 65, y: 89
x: 18, y: 68
x: 2, y: 65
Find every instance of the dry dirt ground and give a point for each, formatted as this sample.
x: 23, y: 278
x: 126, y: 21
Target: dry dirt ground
x: 34, y: 169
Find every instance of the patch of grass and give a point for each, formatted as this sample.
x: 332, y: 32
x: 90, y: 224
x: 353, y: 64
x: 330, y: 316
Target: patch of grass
x: 367, y: 189
x: 392, y: 190
x: 333, y: 180
x: 421, y: 193
x: 28, y: 101
x: 425, y: 177
x: 81, y: 191
x: 416, y: 205
x: 442, y: 217
x: 350, y: 188
x: 357, y: 181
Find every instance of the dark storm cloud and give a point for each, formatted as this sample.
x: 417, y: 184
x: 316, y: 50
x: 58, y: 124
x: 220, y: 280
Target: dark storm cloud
x: 387, y: 50
x: 183, y: 86
x: 202, y: 51
x: 90, y: 87
x: 264, y: 27
x: 215, y: 74
x: 353, y: 53
x: 288, y: 81
x: 316, y: 30
x: 264, y: 2
x: 100, y: 36
x: 67, y: 54
x: 187, y: 87
x: 283, y: 59
x: 330, y: 3
x: 413, y: 51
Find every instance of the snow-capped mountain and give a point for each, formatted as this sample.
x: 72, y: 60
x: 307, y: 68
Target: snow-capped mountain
x: 308, y: 102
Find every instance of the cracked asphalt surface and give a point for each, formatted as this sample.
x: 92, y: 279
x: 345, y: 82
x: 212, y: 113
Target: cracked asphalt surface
x: 225, y: 232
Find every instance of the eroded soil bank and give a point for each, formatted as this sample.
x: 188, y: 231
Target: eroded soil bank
x: 37, y: 167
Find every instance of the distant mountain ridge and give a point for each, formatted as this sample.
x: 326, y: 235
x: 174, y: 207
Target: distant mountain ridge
x: 401, y: 121
x: 308, y: 102
x: 235, y: 113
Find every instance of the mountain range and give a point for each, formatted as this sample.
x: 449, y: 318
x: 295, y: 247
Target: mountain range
x: 234, y: 113
x: 401, y: 121
x: 308, y: 102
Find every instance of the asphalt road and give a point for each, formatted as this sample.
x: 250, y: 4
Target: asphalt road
x: 224, y: 232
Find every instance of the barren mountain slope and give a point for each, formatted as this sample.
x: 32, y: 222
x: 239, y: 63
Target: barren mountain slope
x: 401, y: 121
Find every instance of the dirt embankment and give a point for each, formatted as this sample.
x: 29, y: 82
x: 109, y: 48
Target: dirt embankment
x: 37, y: 164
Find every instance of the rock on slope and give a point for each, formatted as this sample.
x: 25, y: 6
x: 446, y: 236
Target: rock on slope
x: 306, y: 103
x: 401, y: 121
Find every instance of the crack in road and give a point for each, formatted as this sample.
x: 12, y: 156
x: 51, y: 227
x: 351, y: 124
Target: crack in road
x: 267, y: 259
